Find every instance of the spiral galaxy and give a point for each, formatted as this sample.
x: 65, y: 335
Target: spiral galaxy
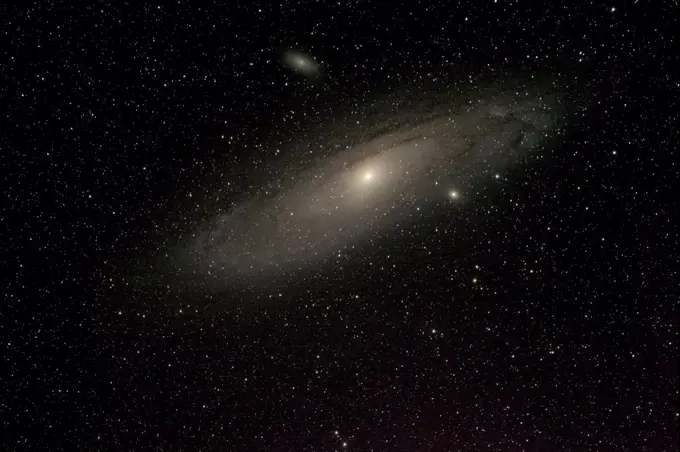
x: 414, y: 149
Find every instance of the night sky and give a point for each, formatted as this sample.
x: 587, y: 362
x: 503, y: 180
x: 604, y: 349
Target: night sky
x: 524, y: 299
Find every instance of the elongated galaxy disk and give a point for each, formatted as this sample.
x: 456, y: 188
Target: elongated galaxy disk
x: 368, y: 175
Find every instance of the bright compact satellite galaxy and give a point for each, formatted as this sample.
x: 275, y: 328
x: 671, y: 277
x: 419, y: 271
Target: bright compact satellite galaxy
x: 353, y: 226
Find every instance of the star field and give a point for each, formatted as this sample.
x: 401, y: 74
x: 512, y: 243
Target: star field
x: 339, y: 226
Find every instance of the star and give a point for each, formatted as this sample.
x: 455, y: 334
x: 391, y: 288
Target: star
x: 453, y: 194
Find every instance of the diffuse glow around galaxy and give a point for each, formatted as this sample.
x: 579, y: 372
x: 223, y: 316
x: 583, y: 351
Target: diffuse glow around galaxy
x: 428, y: 149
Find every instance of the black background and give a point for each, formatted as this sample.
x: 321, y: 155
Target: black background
x: 567, y: 340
